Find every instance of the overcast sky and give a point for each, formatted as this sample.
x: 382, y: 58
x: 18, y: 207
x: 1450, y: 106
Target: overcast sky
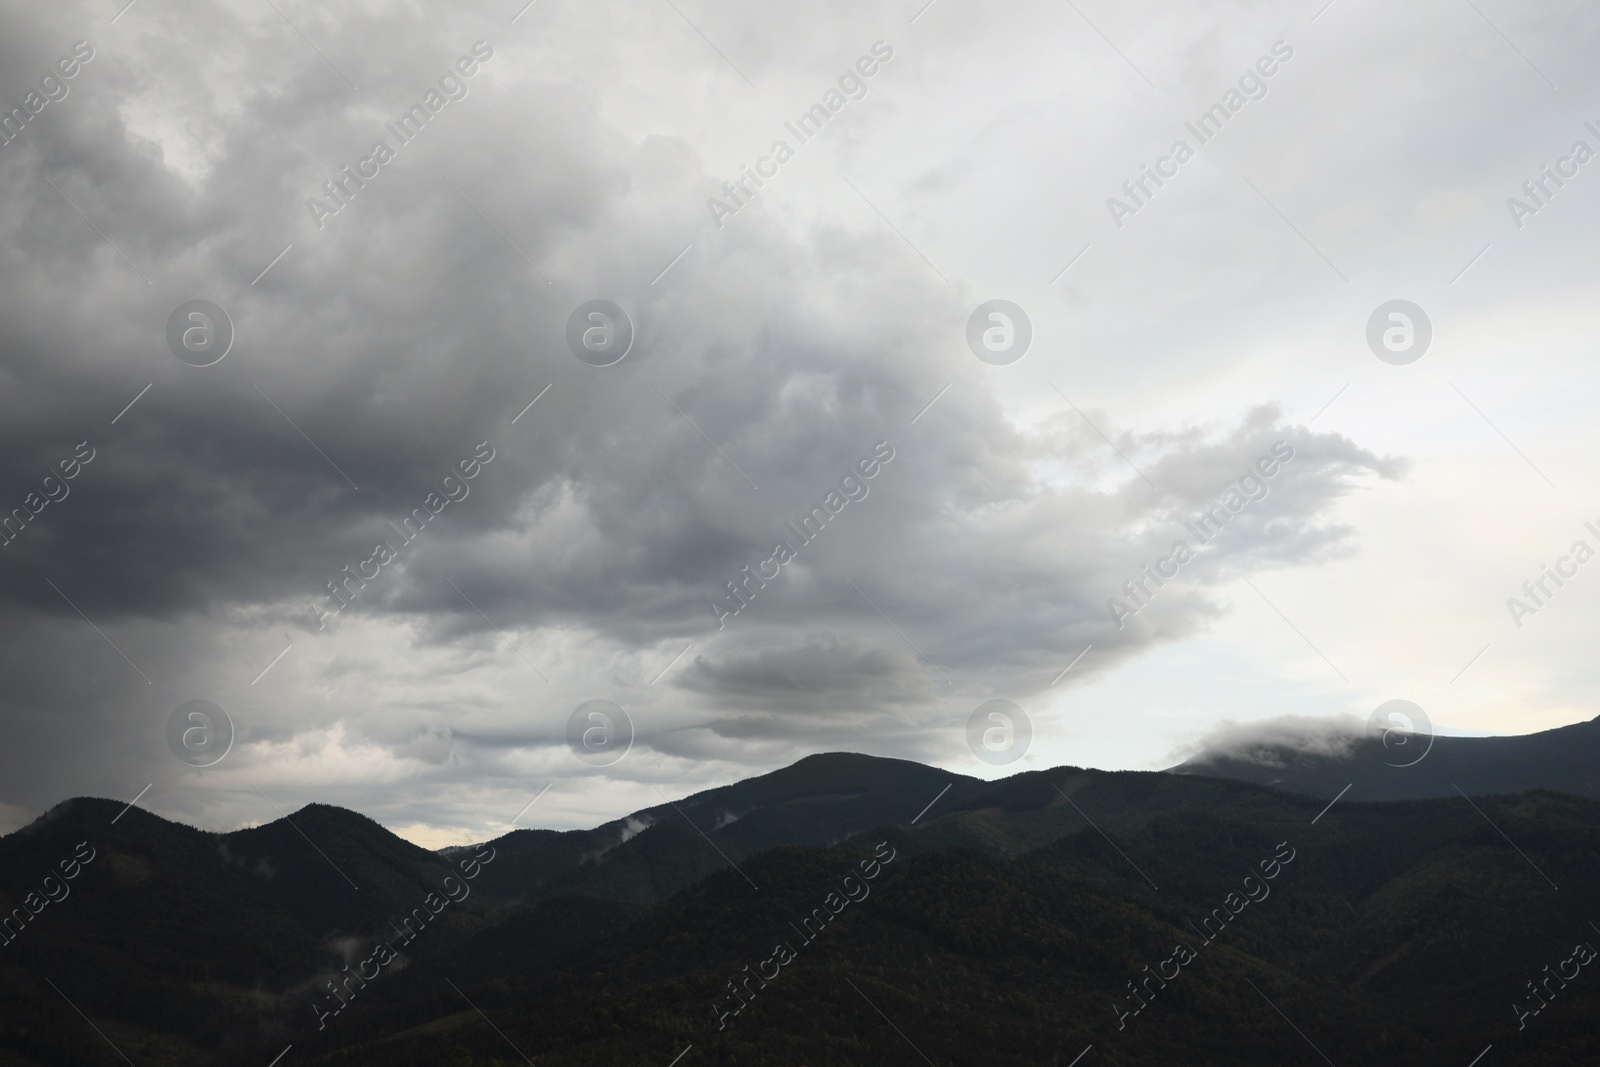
x: 781, y: 335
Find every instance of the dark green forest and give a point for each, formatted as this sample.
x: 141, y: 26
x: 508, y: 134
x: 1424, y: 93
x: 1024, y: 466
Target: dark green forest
x: 1124, y: 918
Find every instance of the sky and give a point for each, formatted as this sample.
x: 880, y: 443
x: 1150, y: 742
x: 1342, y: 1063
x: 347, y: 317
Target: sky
x: 227, y: 383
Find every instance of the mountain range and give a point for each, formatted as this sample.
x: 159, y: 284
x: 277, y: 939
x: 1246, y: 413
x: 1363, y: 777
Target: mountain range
x: 1410, y: 766
x: 846, y: 909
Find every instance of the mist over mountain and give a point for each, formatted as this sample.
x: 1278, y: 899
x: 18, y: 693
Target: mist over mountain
x: 1323, y: 757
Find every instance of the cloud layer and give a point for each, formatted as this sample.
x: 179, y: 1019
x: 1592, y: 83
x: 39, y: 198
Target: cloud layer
x: 408, y: 332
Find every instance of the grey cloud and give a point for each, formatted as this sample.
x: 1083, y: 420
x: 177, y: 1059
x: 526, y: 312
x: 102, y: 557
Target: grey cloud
x: 824, y: 674
x: 409, y: 329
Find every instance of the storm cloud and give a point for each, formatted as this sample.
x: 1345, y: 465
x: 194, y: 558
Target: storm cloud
x: 378, y: 348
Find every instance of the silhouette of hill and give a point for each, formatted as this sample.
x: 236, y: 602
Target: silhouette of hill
x: 653, y: 853
x: 1002, y: 922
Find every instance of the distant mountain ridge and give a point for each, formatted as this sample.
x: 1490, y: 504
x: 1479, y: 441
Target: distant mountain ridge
x: 1008, y: 929
x: 1566, y: 758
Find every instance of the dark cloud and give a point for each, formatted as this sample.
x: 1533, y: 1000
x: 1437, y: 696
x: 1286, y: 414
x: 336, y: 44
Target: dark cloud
x: 382, y: 349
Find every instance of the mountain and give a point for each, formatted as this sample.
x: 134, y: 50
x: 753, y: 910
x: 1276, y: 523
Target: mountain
x: 1566, y: 758
x: 1396, y: 935
x: 899, y: 914
x: 1389, y: 934
x: 163, y: 922
x: 820, y: 800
